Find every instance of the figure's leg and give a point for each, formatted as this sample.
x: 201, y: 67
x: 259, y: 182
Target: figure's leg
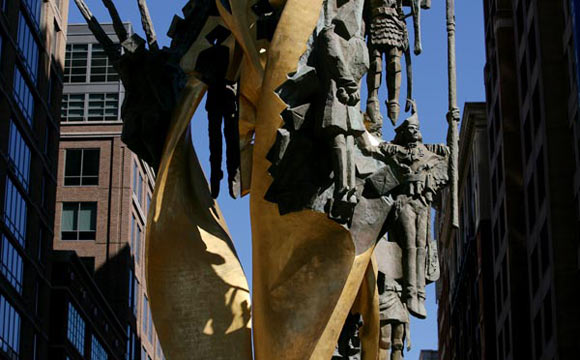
x: 351, y: 169
x: 422, y: 217
x: 394, y: 77
x: 385, y: 340
x: 232, y: 136
x: 339, y: 165
x: 214, y: 115
x: 373, y: 85
x: 398, y: 341
x: 406, y: 231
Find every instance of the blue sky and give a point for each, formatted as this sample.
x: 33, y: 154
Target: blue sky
x: 430, y: 92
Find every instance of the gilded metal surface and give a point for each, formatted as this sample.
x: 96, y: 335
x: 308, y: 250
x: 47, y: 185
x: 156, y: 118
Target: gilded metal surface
x: 198, y: 292
x: 305, y: 273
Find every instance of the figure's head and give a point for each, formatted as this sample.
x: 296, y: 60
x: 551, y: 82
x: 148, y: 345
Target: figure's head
x: 408, y: 132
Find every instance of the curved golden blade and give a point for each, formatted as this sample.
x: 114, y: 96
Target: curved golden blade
x: 305, y: 273
x: 238, y: 22
x: 197, y: 290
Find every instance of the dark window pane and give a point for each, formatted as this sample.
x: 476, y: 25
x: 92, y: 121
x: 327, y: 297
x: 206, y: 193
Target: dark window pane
x: 73, y: 163
x: 91, y: 162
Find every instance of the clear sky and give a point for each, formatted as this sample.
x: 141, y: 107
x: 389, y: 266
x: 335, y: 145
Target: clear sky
x: 430, y: 91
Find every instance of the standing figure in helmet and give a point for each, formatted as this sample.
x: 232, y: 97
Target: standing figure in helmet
x: 387, y: 35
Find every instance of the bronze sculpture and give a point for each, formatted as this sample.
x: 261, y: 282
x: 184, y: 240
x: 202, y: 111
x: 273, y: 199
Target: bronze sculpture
x: 323, y: 189
x: 388, y: 37
x: 423, y: 173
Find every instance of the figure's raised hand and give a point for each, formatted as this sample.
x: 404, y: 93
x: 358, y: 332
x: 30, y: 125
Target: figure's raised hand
x: 454, y: 114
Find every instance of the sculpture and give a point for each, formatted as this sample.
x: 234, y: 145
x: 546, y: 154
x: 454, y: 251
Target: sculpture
x: 387, y: 35
x: 394, y: 318
x: 323, y: 188
x: 422, y: 170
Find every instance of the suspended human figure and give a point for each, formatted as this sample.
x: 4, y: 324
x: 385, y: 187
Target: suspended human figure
x: 221, y: 105
x: 387, y: 34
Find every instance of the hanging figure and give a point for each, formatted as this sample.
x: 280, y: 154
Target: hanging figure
x: 341, y: 64
x: 387, y: 35
x: 221, y: 104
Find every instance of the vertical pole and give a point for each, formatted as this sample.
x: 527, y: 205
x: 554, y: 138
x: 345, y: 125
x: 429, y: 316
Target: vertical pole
x: 452, y: 134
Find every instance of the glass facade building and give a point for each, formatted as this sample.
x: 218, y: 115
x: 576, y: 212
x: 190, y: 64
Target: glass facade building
x: 32, y: 46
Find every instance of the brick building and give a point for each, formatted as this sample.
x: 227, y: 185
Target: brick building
x: 531, y: 81
x: 465, y: 314
x: 32, y: 43
x: 104, y: 190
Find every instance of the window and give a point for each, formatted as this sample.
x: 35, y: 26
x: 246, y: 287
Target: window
x: 76, y: 329
x: 133, y: 292
x: 103, y: 107
x: 137, y: 183
x: 9, y: 329
x: 75, y: 65
x: 19, y: 155
x: 136, y: 297
x: 23, y: 96
x: 101, y: 68
x: 34, y: 9
x: 130, y: 351
x: 100, y: 107
x: 81, y: 167
x: 73, y: 107
x: 11, y: 264
x: 146, y: 321
x: 135, y: 239
x: 97, y: 350
x: 79, y: 220
x: 15, y: 212
x: 28, y: 47
x: 148, y: 203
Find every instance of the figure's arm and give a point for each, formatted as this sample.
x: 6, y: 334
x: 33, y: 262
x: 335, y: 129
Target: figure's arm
x: 348, y: 91
x: 439, y: 149
x: 416, y: 11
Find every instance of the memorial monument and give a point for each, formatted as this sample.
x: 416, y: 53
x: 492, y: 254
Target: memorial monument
x: 340, y: 217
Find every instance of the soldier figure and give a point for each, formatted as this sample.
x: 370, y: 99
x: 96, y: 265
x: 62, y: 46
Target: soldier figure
x: 387, y: 34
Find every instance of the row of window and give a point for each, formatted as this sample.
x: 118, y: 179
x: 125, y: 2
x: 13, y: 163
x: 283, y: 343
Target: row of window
x: 19, y: 155
x: 11, y: 264
x: 90, y: 107
x: 76, y: 331
x: 15, y: 212
x: 28, y: 47
x: 23, y: 96
x: 9, y: 328
x: 77, y: 60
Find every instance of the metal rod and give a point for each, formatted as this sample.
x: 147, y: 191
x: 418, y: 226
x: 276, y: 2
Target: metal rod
x: 452, y: 134
x: 112, y: 51
x: 117, y: 22
x: 147, y: 24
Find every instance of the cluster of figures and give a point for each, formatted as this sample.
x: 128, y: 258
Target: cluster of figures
x: 330, y: 156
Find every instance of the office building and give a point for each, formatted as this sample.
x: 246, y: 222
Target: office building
x: 32, y: 43
x: 104, y: 189
x: 531, y: 81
